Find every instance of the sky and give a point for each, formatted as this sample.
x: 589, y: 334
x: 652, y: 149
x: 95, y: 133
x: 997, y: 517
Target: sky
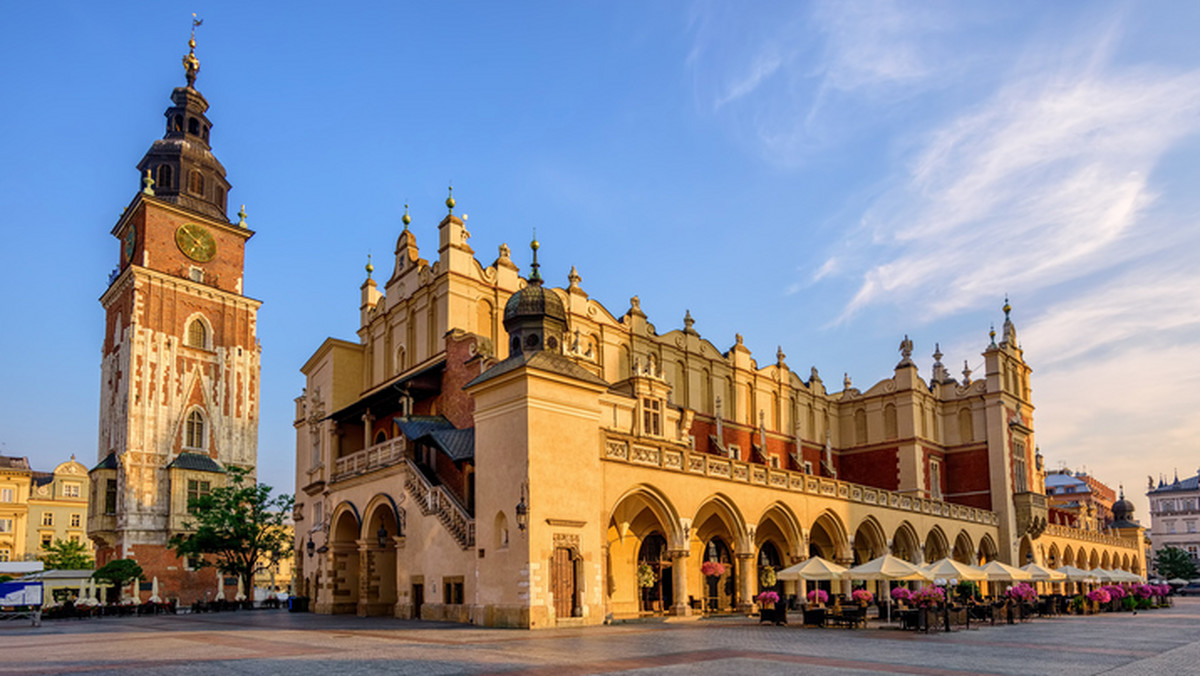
x: 822, y: 177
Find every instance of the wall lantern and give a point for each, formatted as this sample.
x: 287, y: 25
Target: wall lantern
x: 383, y: 537
x: 310, y: 547
x: 522, y: 511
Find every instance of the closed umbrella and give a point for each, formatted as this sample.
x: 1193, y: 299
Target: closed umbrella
x: 154, y: 591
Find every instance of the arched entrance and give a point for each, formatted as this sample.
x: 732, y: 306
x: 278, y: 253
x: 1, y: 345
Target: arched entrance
x: 720, y: 590
x: 964, y: 550
x: 869, y: 542
x: 769, y: 559
x: 639, y: 515
x: 378, y: 562
x: 936, y: 546
x: 655, y: 577
x: 987, y: 550
x: 904, y: 543
x: 343, y: 562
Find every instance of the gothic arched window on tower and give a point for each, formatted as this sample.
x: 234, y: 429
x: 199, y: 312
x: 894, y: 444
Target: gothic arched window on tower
x: 165, y: 179
x: 177, y: 123
x: 198, y: 334
x: 196, y: 183
x: 194, y: 432
x: 193, y: 126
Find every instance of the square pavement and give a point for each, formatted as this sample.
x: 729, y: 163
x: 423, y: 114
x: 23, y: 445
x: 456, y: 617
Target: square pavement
x: 1156, y: 642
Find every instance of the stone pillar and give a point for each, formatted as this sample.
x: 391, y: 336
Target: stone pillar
x: 843, y: 586
x: 368, y: 421
x: 745, y: 582
x: 679, y: 561
x: 366, y: 570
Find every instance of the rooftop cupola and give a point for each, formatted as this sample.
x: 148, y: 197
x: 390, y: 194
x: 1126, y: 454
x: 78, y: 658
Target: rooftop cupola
x: 534, y: 316
x: 184, y: 170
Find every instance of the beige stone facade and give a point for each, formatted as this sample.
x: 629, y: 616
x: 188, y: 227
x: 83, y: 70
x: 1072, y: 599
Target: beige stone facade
x: 469, y: 459
x: 39, y: 508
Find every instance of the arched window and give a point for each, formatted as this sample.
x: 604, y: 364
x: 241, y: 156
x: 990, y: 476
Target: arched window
x: 889, y: 422
x: 194, y: 432
x: 966, y: 427
x: 860, y: 426
x: 380, y: 437
x: 177, y: 123
x: 193, y: 126
x: 197, y: 334
x: 165, y: 179
x: 196, y: 183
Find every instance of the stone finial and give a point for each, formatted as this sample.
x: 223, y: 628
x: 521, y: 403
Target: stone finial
x: 937, y: 352
x: 242, y: 216
x: 779, y: 355
x: 906, y: 347
x: 505, y: 252
x: 635, y: 306
x: 966, y: 373
x: 846, y: 381
x: 814, y: 376
x: 573, y: 278
x: 688, y: 322
x: 147, y: 184
x: 992, y: 335
x: 738, y: 337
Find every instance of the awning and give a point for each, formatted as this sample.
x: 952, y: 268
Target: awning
x: 458, y: 445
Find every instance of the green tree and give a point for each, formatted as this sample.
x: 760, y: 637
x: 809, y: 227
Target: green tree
x: 238, y: 528
x: 1173, y: 562
x: 66, y: 555
x: 119, y: 572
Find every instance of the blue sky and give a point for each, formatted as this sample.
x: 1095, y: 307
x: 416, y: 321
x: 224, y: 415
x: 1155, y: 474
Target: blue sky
x: 824, y: 177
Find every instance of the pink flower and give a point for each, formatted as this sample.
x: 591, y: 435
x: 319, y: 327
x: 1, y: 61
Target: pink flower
x: 767, y: 598
x: 818, y: 596
x: 712, y: 569
x: 902, y: 594
x: 862, y: 596
x: 1099, y: 596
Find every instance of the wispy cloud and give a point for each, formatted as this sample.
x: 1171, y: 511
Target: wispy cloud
x: 1046, y: 182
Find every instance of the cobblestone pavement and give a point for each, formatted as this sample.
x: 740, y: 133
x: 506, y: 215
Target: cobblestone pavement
x: 1157, y: 643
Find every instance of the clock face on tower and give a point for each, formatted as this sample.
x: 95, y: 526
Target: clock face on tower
x: 196, y: 242
x: 130, y: 243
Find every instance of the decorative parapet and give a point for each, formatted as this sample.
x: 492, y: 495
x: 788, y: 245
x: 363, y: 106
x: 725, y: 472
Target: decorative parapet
x: 1090, y: 536
x: 671, y: 458
x: 370, y: 459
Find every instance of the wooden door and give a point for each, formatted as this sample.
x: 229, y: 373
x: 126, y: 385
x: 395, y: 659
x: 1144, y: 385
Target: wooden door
x: 418, y: 595
x: 562, y: 582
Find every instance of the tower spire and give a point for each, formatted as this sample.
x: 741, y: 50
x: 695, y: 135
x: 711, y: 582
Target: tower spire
x: 191, y: 64
x: 535, y: 277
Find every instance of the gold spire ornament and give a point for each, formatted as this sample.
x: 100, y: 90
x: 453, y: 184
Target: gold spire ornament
x: 148, y: 184
x: 242, y: 216
x: 450, y: 200
x: 406, y: 219
x: 369, y: 268
x: 191, y: 64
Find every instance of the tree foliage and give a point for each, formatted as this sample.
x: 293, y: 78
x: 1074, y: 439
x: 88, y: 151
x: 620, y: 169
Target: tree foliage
x: 119, y: 572
x: 66, y: 555
x: 239, y: 528
x: 1173, y: 562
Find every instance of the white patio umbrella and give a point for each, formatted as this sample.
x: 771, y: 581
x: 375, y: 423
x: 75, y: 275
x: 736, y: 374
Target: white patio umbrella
x: 1003, y: 572
x: 241, y: 592
x: 887, y: 568
x: 950, y: 569
x: 1043, y: 573
x: 154, y: 591
x: 1103, y: 575
x: 1177, y: 582
x: 220, y: 587
x: 1126, y: 576
x: 1075, y: 574
x: 813, y: 569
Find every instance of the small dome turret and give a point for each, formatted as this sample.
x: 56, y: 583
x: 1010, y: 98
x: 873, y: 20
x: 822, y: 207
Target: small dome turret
x: 534, y: 316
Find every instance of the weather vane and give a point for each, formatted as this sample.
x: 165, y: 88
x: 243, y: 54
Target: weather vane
x: 190, y: 63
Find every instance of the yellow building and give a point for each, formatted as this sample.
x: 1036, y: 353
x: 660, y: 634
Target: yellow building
x: 277, y: 576
x: 37, y: 508
x: 58, y: 506
x: 495, y: 451
x: 14, y: 507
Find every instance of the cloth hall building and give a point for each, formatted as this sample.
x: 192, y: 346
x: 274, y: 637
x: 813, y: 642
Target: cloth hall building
x: 495, y: 451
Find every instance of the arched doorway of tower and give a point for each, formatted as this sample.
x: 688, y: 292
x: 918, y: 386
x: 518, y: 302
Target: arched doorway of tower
x: 378, y: 595
x: 720, y: 588
x: 344, y: 560
x: 641, y: 514
x: 654, y: 574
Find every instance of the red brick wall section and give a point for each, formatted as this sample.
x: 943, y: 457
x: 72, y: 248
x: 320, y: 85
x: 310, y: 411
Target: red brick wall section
x: 156, y: 235
x: 174, y: 582
x: 967, y: 472
x: 454, y: 403
x: 879, y: 468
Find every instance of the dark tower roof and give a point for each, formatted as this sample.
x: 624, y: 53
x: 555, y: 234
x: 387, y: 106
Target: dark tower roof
x: 181, y: 163
x: 534, y: 301
x: 1122, y: 511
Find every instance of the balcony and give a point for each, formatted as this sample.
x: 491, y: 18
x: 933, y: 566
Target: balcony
x: 382, y: 455
x: 1031, y: 513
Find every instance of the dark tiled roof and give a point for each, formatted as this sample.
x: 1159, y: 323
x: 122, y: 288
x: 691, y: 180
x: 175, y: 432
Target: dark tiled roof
x: 551, y: 362
x: 196, y: 462
x: 416, y: 426
x: 7, y: 462
x: 458, y: 445
x: 109, y: 462
x: 1189, y: 484
x: 43, y: 478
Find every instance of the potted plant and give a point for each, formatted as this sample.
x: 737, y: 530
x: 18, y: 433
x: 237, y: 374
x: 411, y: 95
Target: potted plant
x: 766, y: 576
x: 862, y: 597
x: 818, y: 597
x: 902, y: 596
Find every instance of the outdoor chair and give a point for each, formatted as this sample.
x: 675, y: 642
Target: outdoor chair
x: 814, y: 617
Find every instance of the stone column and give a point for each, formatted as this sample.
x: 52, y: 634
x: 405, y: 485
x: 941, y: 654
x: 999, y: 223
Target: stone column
x: 842, y: 586
x: 679, y: 581
x: 365, y: 571
x: 368, y: 421
x: 745, y: 582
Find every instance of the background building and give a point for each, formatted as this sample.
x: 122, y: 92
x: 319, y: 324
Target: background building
x: 1080, y: 499
x: 37, y: 508
x: 180, y: 360
x: 1175, y: 515
x: 495, y: 451
x: 15, y: 477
